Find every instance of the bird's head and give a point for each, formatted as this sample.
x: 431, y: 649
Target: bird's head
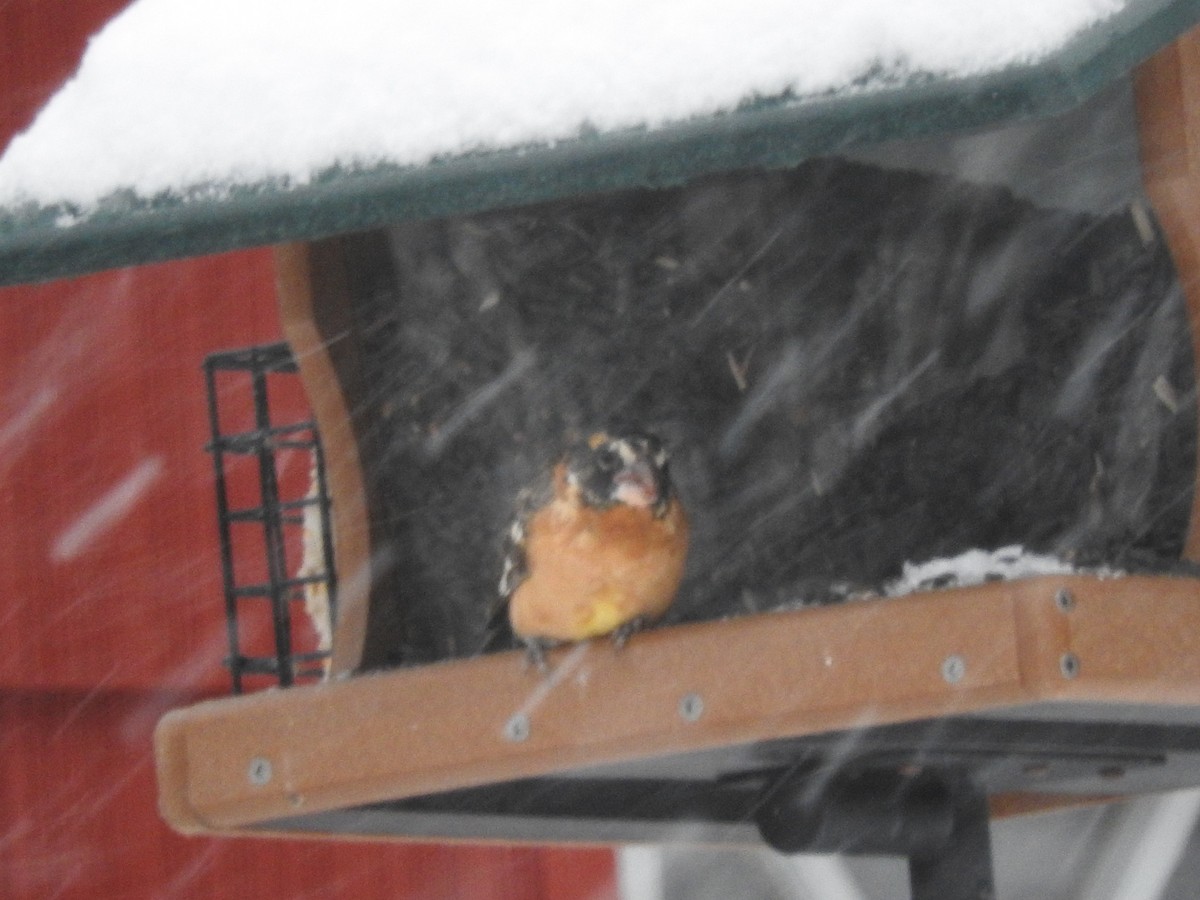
x: 626, y: 467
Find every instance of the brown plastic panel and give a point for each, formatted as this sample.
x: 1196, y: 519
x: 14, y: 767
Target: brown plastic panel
x: 1020, y: 803
x: 311, y: 285
x: 408, y: 732
x: 1167, y: 88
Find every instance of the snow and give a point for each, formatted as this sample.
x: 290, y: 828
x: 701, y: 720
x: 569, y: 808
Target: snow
x: 117, y: 503
x: 976, y: 567
x: 184, y: 97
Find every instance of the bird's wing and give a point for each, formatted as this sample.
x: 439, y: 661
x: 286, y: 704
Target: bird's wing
x: 497, y: 630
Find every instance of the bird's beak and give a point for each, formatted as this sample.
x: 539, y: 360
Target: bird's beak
x: 636, y: 485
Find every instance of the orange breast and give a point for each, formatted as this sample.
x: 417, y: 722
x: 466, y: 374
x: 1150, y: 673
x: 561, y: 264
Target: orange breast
x: 591, y: 570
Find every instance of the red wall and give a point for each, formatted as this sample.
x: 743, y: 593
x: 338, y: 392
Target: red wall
x: 107, y: 622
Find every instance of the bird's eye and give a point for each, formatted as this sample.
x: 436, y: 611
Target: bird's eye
x: 608, y: 460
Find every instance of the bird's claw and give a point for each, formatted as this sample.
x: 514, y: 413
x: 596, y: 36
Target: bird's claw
x: 535, y: 655
x: 623, y: 632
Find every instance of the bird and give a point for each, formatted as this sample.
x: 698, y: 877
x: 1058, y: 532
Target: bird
x: 598, y: 548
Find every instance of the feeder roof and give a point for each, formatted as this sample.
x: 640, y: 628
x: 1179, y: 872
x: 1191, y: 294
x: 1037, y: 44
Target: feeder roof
x: 195, y: 128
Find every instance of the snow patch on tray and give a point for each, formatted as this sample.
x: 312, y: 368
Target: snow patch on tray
x: 175, y: 96
x: 980, y: 566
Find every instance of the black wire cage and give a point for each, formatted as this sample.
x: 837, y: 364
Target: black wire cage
x: 274, y: 525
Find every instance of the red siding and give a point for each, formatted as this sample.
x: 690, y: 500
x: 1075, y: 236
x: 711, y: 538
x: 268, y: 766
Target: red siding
x: 40, y: 45
x: 104, y: 627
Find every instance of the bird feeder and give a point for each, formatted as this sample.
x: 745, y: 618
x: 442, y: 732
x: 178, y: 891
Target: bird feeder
x: 860, y: 357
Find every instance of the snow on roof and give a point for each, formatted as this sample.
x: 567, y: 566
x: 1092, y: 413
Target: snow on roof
x: 175, y: 95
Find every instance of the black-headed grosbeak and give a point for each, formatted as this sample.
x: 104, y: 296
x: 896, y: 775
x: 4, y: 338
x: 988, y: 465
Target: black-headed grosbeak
x: 598, y: 550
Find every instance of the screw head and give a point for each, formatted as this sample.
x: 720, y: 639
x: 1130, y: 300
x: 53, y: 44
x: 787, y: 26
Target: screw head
x: 691, y: 707
x: 954, y: 669
x: 1064, y: 600
x: 260, y: 771
x: 1069, y: 665
x: 517, y: 728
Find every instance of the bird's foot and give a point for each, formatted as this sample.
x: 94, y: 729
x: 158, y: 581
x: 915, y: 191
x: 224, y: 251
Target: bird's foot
x: 623, y: 632
x: 535, y: 654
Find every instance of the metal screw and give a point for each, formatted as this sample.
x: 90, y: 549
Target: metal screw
x: 1064, y: 600
x: 691, y: 707
x: 954, y: 668
x: 517, y: 728
x: 259, y: 771
x: 1069, y: 664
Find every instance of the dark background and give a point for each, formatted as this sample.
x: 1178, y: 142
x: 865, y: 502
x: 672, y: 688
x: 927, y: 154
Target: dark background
x: 852, y: 367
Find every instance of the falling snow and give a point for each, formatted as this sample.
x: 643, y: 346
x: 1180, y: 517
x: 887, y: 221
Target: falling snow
x: 936, y: 332
x: 114, y: 504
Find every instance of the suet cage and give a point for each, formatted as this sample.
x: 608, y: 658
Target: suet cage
x: 283, y: 585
